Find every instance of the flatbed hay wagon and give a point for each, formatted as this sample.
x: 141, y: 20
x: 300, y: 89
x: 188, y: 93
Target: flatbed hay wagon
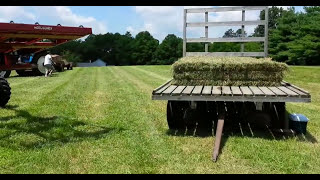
x: 22, y: 45
x: 22, y: 49
x: 203, y: 107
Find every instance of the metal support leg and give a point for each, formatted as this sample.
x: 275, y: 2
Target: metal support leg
x: 286, y: 119
x: 218, y: 138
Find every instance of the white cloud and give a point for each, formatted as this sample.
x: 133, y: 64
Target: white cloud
x: 64, y: 16
x: 54, y: 14
x: 15, y: 13
x: 158, y: 20
x: 163, y: 20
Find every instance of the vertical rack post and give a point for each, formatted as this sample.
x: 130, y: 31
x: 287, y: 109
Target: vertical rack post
x: 184, y: 32
x: 242, y: 29
x: 266, y: 18
x: 206, y: 31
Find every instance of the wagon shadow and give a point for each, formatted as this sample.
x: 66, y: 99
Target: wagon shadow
x: 55, y: 74
x: 241, y: 129
x: 26, y: 131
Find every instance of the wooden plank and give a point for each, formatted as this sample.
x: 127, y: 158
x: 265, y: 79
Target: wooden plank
x: 266, y: 91
x: 226, y: 90
x: 184, y: 33
x: 206, y: 46
x: 235, y: 39
x: 169, y: 89
x: 222, y: 9
x: 288, y: 84
x: 161, y: 86
x: 162, y: 89
x: 277, y: 91
x: 302, y: 94
x: 197, y: 90
x: 217, y: 142
x: 228, y: 23
x: 266, y: 17
x: 246, y: 91
x: 249, y: 98
x: 256, y: 91
x: 216, y: 90
x: 288, y: 91
x: 207, y: 90
x: 178, y: 90
x: 187, y: 90
x: 242, y: 29
x: 252, y: 54
x: 236, y: 91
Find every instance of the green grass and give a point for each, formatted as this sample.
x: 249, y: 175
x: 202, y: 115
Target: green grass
x: 102, y: 120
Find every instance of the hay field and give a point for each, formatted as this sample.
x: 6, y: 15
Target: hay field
x: 102, y: 120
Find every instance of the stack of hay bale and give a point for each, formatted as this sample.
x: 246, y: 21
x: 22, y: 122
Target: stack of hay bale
x: 228, y: 71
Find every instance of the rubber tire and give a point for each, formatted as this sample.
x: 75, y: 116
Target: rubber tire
x: 7, y: 74
x: 5, y: 92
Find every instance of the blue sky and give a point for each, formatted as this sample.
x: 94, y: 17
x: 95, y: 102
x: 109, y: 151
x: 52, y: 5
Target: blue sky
x: 159, y: 21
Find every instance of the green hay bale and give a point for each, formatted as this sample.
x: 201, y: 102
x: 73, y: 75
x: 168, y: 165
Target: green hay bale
x: 223, y: 83
x: 228, y: 71
x: 253, y: 75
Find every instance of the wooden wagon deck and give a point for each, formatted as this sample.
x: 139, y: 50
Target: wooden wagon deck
x: 284, y: 93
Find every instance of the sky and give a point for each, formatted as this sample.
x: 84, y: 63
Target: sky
x: 158, y: 20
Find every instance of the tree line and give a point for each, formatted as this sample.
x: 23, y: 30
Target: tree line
x: 294, y: 38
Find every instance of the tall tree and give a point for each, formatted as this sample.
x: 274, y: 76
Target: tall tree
x: 169, y: 50
x: 144, y: 45
x: 274, y: 14
x: 296, y: 40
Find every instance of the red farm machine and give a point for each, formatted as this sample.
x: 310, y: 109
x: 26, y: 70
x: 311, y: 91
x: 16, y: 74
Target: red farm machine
x: 22, y: 48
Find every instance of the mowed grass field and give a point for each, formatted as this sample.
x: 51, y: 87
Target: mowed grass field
x: 102, y: 120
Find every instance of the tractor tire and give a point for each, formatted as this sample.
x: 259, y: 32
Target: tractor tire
x: 175, y: 114
x: 5, y: 92
x: 5, y: 74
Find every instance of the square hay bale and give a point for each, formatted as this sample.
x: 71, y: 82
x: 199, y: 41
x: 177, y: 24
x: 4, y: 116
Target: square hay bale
x: 228, y: 71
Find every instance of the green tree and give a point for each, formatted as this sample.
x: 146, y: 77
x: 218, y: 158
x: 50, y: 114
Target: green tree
x: 296, y: 39
x: 145, y: 46
x: 274, y: 13
x: 169, y: 50
x: 71, y: 57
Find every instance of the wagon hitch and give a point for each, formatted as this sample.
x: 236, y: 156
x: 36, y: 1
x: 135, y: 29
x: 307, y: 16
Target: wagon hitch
x: 217, y: 142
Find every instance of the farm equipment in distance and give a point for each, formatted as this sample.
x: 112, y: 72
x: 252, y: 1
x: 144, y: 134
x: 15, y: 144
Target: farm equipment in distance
x: 22, y: 45
x: 22, y: 49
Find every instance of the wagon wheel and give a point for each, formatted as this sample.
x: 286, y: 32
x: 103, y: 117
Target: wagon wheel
x: 190, y: 118
x: 5, y: 92
x: 205, y: 117
x: 175, y: 113
x: 278, y: 114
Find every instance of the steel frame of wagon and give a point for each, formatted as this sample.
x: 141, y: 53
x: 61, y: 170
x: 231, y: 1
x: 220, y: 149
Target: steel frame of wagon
x: 242, y: 39
x: 275, y: 96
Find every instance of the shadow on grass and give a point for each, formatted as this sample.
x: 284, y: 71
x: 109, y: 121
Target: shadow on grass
x: 241, y: 129
x: 26, y: 131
